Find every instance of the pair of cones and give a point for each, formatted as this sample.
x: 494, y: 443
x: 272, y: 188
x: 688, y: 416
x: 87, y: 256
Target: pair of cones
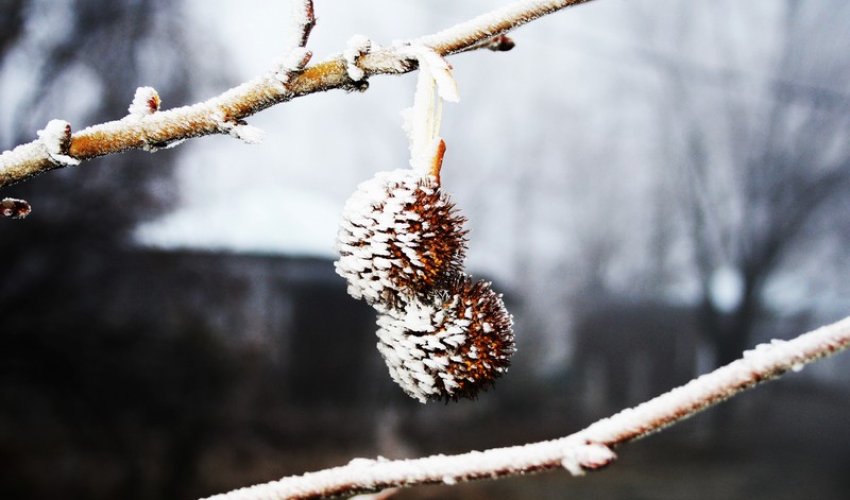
x: 402, y: 245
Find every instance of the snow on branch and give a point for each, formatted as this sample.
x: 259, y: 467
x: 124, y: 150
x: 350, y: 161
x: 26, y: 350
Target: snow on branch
x: 488, y: 26
x: 145, y: 102
x: 585, y: 450
x: 151, y: 129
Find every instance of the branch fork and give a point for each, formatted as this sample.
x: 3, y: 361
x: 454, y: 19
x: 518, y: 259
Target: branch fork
x: 304, y: 20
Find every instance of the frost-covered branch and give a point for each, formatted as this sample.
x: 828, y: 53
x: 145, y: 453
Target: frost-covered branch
x: 588, y: 449
x: 290, y: 78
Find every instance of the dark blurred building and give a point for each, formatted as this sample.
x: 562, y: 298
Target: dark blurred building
x: 175, y: 352
x: 293, y: 312
x: 627, y: 350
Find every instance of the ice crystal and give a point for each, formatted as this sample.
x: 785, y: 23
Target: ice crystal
x: 294, y: 61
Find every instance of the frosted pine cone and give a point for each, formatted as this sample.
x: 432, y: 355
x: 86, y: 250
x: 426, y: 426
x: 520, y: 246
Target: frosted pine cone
x: 453, y: 346
x: 399, y: 238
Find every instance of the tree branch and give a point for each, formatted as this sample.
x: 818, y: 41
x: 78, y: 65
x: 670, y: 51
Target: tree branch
x: 226, y: 112
x: 585, y: 450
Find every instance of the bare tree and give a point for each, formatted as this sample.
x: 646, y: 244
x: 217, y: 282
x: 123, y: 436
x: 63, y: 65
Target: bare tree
x: 760, y: 151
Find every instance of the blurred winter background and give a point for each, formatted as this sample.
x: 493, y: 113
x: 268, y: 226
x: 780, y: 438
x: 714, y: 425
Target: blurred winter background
x: 656, y: 185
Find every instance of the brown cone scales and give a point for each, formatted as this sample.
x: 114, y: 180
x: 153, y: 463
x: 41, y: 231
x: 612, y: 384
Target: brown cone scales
x: 400, y: 236
x: 450, y: 347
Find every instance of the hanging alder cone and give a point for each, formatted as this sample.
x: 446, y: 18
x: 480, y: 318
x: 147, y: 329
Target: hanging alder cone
x: 400, y: 237
x: 401, y: 246
x: 452, y: 346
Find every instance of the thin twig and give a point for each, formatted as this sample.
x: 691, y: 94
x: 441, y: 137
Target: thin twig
x: 588, y: 449
x: 306, y: 17
x: 499, y: 43
x: 227, y: 112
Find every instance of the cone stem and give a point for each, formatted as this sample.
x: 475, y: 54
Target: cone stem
x: 437, y: 161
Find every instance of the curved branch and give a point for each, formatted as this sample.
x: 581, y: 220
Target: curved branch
x: 223, y: 113
x: 588, y: 449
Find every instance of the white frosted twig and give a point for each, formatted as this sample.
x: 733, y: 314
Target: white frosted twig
x: 239, y: 129
x: 303, y: 21
x: 292, y: 63
x: 422, y: 120
x: 283, y: 83
x: 585, y: 450
x: 458, y: 38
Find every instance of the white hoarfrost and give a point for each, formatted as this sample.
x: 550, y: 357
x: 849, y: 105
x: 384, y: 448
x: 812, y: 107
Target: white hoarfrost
x: 436, y: 67
x: 356, y: 47
x: 294, y: 61
x: 145, y: 102
x: 579, y: 457
x: 55, y: 138
x: 415, y: 352
x: 242, y: 131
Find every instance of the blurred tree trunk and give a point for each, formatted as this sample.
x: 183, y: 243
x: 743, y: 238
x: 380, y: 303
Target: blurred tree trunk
x: 66, y: 342
x: 762, y: 158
